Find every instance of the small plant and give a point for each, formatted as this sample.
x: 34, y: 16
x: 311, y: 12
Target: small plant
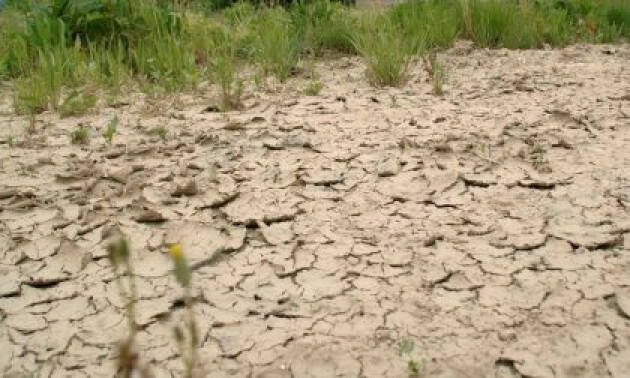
x: 81, y: 135
x: 385, y: 50
x: 110, y: 129
x: 11, y: 140
x: 276, y: 46
x: 394, y: 100
x: 224, y: 70
x: 405, y: 348
x: 322, y: 24
x: 313, y: 88
x: 161, y: 131
x: 31, y: 96
x: 437, y: 72
x: 539, y: 158
x: 183, y: 275
x: 76, y: 104
x: 119, y: 253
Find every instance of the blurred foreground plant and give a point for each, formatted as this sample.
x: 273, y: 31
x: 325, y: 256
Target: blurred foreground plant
x: 119, y: 254
x: 183, y: 275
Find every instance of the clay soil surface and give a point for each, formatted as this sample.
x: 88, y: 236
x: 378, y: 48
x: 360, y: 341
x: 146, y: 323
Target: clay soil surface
x: 490, y: 226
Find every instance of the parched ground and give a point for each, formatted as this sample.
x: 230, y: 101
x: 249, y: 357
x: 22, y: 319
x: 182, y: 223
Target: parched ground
x: 490, y: 226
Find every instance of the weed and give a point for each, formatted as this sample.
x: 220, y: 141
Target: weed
x: 617, y: 14
x: 161, y: 131
x: 539, y: 158
x: 119, y: 253
x: 437, y: 72
x: 322, y: 25
x: 413, y: 366
x: 313, y: 88
x: 394, y: 100
x: 110, y: 130
x: 166, y: 63
x: 31, y: 97
x: 385, y: 50
x: 497, y: 23
x: 76, y: 104
x: 80, y: 135
x: 434, y: 21
x: 276, y: 46
x: 183, y: 275
x: 405, y: 348
x: 224, y: 69
x: 10, y: 141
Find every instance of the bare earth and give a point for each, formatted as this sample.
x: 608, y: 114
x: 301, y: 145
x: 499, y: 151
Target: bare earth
x: 490, y: 226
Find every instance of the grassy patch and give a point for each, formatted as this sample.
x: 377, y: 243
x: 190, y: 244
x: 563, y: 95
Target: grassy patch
x: 323, y: 25
x: 80, y: 135
x: 160, y: 131
x: 276, y: 45
x: 77, y: 103
x: 435, y: 22
x: 52, y: 48
x: 221, y: 57
x: 385, y: 50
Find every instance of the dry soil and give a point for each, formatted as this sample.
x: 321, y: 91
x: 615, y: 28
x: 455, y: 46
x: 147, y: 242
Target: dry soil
x: 490, y: 226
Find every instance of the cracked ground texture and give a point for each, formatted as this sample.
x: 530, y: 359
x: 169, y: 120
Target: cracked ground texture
x: 490, y: 226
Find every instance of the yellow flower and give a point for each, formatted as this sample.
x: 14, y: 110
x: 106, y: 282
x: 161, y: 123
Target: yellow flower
x: 176, y: 251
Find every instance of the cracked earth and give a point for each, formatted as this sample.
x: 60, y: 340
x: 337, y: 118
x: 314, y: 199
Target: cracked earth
x: 490, y: 226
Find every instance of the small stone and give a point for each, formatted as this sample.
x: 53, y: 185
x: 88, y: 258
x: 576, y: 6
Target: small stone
x: 274, y: 144
x: 150, y: 216
x: 537, y: 184
x: 482, y: 180
x: 188, y: 189
x: 121, y: 174
x: 623, y: 302
x: 388, y: 167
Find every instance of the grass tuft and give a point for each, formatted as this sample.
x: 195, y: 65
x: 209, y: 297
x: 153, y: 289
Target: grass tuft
x: 276, y: 45
x: 385, y: 49
x: 80, y: 135
x: 110, y: 130
x: 437, y: 72
x: 313, y: 88
x: 76, y: 103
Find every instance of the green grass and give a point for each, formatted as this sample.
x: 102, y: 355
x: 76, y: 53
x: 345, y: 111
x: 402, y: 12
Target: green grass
x: 160, y: 131
x: 387, y: 52
x: 54, y: 48
x: 436, y: 22
x: 276, y: 46
x: 437, y: 72
x: 80, y: 135
x: 77, y: 103
x: 219, y: 50
x: 110, y: 130
x: 323, y: 26
x: 313, y: 88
